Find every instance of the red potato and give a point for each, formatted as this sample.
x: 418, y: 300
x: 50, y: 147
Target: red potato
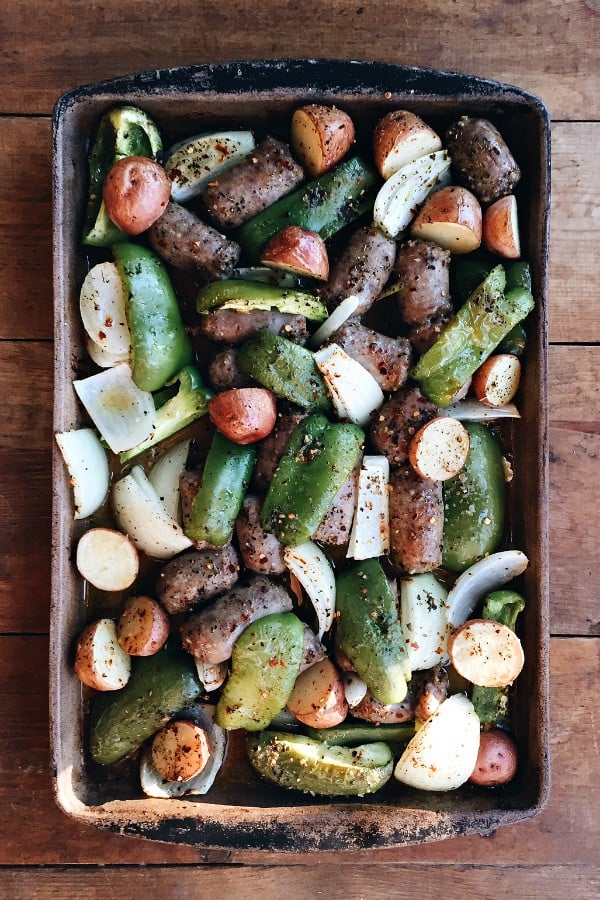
x: 136, y: 193
x: 244, y: 415
x: 318, y: 699
x: 400, y: 138
x: 439, y: 449
x: 107, y: 559
x: 486, y: 653
x: 451, y: 218
x: 297, y: 250
x: 143, y: 627
x: 501, y: 228
x: 496, y: 382
x: 497, y: 759
x: 321, y: 136
x: 100, y: 663
x: 180, y: 751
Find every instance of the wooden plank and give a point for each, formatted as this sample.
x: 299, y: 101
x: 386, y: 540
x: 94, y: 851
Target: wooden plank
x: 315, y: 880
x: 547, y: 48
x: 34, y: 832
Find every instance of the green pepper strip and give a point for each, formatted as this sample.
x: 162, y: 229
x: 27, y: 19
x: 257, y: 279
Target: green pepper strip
x: 318, y: 459
x: 491, y: 704
x: 351, y: 735
x: 249, y: 295
x: 225, y: 480
x: 159, y: 343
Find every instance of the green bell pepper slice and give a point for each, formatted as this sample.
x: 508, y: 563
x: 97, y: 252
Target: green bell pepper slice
x: 249, y: 295
x: 285, y: 368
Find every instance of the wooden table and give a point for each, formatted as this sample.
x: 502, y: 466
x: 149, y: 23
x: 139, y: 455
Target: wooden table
x: 550, y: 47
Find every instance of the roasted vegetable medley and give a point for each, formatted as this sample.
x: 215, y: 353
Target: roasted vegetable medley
x: 292, y: 480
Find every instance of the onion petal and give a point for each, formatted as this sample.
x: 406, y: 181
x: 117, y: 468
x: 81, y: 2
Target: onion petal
x: 370, y: 534
x: 85, y: 459
x: 354, y: 392
x: 337, y: 318
x: 484, y: 576
x: 475, y: 411
x: 312, y: 569
x: 122, y: 413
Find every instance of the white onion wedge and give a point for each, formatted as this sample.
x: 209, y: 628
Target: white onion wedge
x: 484, y: 576
x: 122, y: 413
x: 423, y: 605
x: 354, y: 688
x: 312, y: 569
x: 475, y: 411
x: 99, y: 661
x: 87, y: 464
x: 192, y: 163
x: 139, y: 512
x: 164, y: 477
x: 370, y: 533
x: 400, y: 197
x: 103, y: 304
x: 337, y: 318
x: 354, y: 392
x: 107, y: 559
x: 103, y: 358
x: 443, y: 752
x: 211, y: 676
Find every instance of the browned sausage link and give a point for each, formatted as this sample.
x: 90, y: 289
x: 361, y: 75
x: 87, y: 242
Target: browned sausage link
x: 272, y: 449
x: 224, y: 373
x: 372, y: 710
x: 481, y: 158
x: 397, y: 422
x: 235, y: 327
x: 336, y: 525
x: 423, y: 272
x: 362, y: 270
x: 416, y: 522
x: 424, y: 336
x: 256, y: 182
x: 188, y: 243
x: 433, y: 692
x: 387, y: 359
x: 193, y: 578
x: 261, y: 552
x: 210, y: 634
x: 313, y: 652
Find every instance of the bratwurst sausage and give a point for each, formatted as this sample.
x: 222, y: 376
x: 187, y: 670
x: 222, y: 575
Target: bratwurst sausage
x: 195, y: 577
x: 387, y: 359
x: 362, y: 270
x: 416, y: 521
x: 235, y: 327
x: 186, y: 242
x: 423, y: 271
x: 397, y: 422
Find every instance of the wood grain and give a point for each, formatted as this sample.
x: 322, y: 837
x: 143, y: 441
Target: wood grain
x: 53, y: 839
x: 548, y: 48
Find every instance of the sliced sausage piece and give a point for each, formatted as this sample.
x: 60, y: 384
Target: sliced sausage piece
x: 362, y: 270
x: 190, y: 580
x: 210, y: 634
x: 336, y: 525
x: 398, y: 421
x: 424, y: 336
x: 256, y: 182
x: 272, y: 449
x: 432, y: 693
x: 387, y: 359
x: 235, y: 327
x: 423, y: 271
x: 372, y: 710
x: 186, y: 242
x: 481, y: 158
x: 261, y: 551
x: 416, y: 522
x: 224, y: 372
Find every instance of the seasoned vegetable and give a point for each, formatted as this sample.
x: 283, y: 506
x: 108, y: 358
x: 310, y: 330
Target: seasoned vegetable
x: 249, y: 295
x: 285, y: 369
x: 107, y: 559
x: 87, y: 464
x: 180, y: 751
x: 497, y: 759
x: 321, y: 136
x: 318, y: 697
x: 136, y: 193
x: 501, y: 228
x: 400, y: 138
x: 244, y: 415
x: 451, y: 218
x: 100, y: 662
x: 297, y: 250
x: 143, y: 627
x: 195, y: 161
x: 404, y: 191
x: 486, y: 653
x: 351, y: 734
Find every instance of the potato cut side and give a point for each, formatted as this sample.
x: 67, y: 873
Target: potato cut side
x: 318, y: 698
x: 486, y: 653
x: 299, y: 251
x: 321, y: 137
x: 99, y: 661
x: 143, y: 627
x: 400, y: 138
x: 451, y: 218
x: 180, y: 751
x: 496, y: 382
x: 107, y: 559
x: 439, y: 449
x: 501, y: 228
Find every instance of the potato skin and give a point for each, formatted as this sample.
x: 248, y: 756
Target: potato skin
x: 143, y: 627
x: 297, y: 250
x: 318, y: 698
x: 395, y: 129
x: 481, y: 158
x: 136, y: 193
x: 497, y: 759
x: 452, y: 218
x: 501, y: 228
x: 244, y: 415
x: 321, y: 136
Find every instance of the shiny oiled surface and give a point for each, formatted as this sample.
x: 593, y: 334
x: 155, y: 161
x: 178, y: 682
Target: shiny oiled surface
x: 47, y: 48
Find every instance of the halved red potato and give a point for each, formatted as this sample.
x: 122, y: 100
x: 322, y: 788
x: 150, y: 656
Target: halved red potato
x: 99, y: 661
x: 486, y: 653
x: 297, y: 250
x: 180, y: 751
x: 107, y: 559
x: 451, y: 218
x: 244, y: 415
x: 496, y: 382
x: 321, y: 136
x: 400, y: 138
x: 439, y: 449
x: 501, y: 228
x: 136, y: 193
x: 497, y: 759
x: 143, y: 627
x: 318, y: 698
